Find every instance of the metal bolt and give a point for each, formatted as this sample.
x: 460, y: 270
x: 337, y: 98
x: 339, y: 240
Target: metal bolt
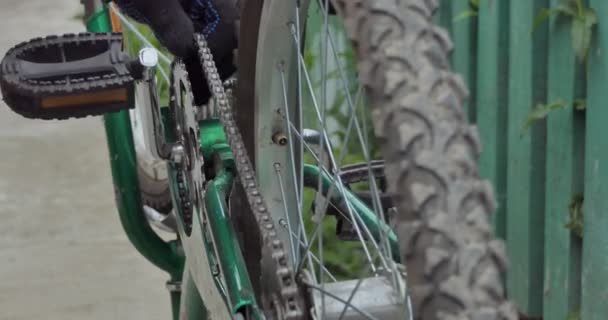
x: 311, y: 136
x: 148, y: 57
x: 279, y: 138
x: 174, y: 286
x: 177, y: 154
x: 283, y: 223
x: 215, y: 270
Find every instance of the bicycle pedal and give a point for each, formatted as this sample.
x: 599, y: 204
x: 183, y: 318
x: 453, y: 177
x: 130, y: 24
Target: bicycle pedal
x: 69, y: 76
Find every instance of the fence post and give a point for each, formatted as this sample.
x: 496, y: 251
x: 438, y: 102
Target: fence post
x: 492, y: 98
x: 562, y: 249
x: 595, y: 240
x: 526, y: 157
x: 464, y: 34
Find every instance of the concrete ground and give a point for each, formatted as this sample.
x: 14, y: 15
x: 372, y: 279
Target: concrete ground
x: 63, y: 254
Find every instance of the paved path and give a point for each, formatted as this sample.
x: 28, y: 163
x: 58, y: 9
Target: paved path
x: 63, y: 254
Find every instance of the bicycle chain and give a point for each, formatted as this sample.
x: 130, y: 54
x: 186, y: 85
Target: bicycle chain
x: 273, y: 250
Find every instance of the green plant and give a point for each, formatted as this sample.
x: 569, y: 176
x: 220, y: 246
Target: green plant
x: 575, y: 208
x: 541, y: 111
x: 583, y: 20
x: 473, y: 11
x: 344, y: 259
x: 337, y: 108
x: 575, y: 315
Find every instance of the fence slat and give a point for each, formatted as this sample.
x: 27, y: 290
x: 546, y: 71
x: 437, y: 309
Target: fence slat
x: 492, y: 99
x: 443, y: 15
x: 526, y: 153
x: 595, y: 240
x: 464, y: 57
x: 562, y: 253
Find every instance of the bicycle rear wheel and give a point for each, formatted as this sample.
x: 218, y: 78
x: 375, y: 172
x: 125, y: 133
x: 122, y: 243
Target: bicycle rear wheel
x: 373, y: 82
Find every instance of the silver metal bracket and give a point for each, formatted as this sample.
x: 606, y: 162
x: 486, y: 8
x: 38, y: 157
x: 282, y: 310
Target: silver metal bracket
x: 149, y: 108
x: 174, y: 286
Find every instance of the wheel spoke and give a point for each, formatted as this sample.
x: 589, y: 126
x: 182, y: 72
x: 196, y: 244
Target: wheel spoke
x: 351, y: 217
x: 277, y: 170
x: 325, y: 139
x: 363, y: 141
x: 315, y: 258
x: 300, y: 113
x: 350, y: 298
x: 333, y: 296
x: 339, y: 113
x: 298, y: 190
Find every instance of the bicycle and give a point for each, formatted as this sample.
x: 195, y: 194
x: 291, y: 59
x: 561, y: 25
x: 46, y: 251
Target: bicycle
x: 245, y: 169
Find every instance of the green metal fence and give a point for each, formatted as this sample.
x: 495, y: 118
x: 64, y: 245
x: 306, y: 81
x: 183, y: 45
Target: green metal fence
x: 541, y: 173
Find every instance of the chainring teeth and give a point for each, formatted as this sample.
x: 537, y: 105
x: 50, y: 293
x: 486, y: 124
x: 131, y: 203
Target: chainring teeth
x: 186, y: 130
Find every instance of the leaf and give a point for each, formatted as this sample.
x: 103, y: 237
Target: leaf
x: 574, y: 315
x: 349, y: 55
x: 575, y: 209
x: 580, y: 104
x: 582, y: 30
x: 474, y: 4
x: 567, y: 8
x: 541, y: 111
x: 579, y: 7
x: 590, y: 17
x: 581, y: 39
x: 465, y: 15
x: 310, y: 58
x: 540, y: 18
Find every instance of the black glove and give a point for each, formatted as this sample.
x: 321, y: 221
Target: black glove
x: 175, y: 21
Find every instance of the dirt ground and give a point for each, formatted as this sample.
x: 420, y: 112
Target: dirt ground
x: 63, y: 254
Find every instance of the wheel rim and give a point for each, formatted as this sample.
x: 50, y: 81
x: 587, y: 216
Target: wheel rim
x: 279, y: 164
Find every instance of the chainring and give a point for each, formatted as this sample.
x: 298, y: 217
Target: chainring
x: 189, y: 160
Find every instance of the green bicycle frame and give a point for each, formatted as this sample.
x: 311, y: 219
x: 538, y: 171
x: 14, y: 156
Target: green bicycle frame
x: 128, y: 198
x: 222, y: 248
x: 185, y: 296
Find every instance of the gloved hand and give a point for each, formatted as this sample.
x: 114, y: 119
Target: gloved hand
x: 175, y: 21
